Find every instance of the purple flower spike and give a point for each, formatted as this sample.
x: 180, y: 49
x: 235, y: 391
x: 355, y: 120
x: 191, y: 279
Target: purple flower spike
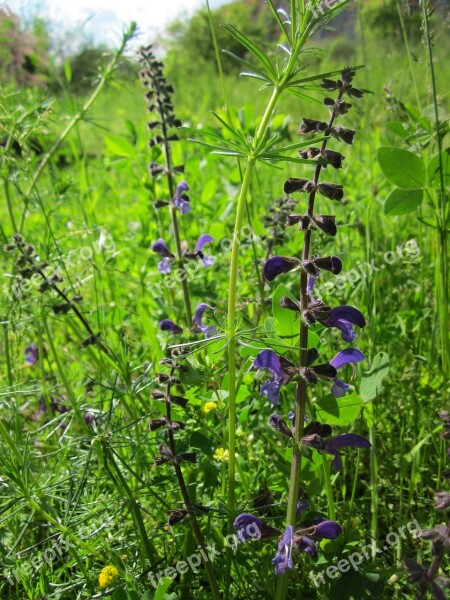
x: 283, y: 557
x: 181, y: 201
x: 168, y: 325
x: 270, y: 361
x: 343, y: 318
x: 31, y: 354
x: 197, y: 327
x: 161, y: 248
x: 250, y: 527
x: 345, y: 357
x: 345, y: 440
x: 205, y: 238
x: 277, y: 265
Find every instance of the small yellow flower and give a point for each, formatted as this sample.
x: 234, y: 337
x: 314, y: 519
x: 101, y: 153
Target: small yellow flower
x: 209, y: 407
x: 221, y: 454
x: 107, y: 576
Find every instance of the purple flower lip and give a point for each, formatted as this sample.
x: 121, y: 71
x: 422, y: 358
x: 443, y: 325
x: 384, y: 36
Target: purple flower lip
x: 283, y: 558
x: 205, y: 238
x: 345, y: 440
x: 181, y: 200
x: 342, y: 358
x: 248, y: 527
x: 279, y: 424
x: 161, y: 248
x: 343, y: 318
x: 198, y: 326
x: 277, y: 265
x: 281, y: 369
x: 31, y: 354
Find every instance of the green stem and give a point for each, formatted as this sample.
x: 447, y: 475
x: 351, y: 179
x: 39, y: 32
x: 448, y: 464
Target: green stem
x: 231, y: 332
x: 328, y: 488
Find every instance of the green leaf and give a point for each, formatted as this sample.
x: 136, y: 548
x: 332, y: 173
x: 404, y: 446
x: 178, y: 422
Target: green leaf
x: 371, y: 382
x: 253, y: 49
x: 119, y: 146
x: 398, y: 128
x: 68, y: 70
x: 287, y: 322
x: 339, y: 411
x: 402, y: 202
x: 402, y: 167
x: 434, y: 176
x: 164, y: 584
x: 200, y: 441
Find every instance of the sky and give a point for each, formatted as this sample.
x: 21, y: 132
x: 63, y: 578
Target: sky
x: 103, y: 20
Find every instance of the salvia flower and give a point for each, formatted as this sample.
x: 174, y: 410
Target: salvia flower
x: 208, y: 330
x: 312, y: 126
x: 312, y: 266
x: 249, y: 527
x: 181, y: 199
x: 279, y: 424
x: 31, y: 354
x: 342, y: 358
x: 343, y: 318
x: 283, y: 558
x: 275, y: 364
x: 160, y: 247
x: 333, y: 191
x: 345, y: 440
x: 342, y: 133
x: 205, y: 238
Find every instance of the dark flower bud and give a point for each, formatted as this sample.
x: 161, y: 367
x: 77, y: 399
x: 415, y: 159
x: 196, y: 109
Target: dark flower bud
x: 190, y: 457
x: 91, y: 340
x: 319, y: 310
x: 88, y: 419
x: 312, y: 355
x: 157, y: 424
x: 310, y: 153
x: 329, y: 85
x: 354, y: 92
x: 313, y: 441
x: 325, y: 370
x: 341, y: 107
x: 308, y: 317
x: 303, y: 221
x: 347, y: 75
x: 333, y: 158
x: 341, y: 133
x: 62, y: 309
x: 326, y: 223
x: 153, y: 124
x: 312, y: 126
x: 178, y: 169
x: 333, y: 191
x: 278, y: 265
x: 18, y: 239
x: 296, y: 185
x: 329, y: 263
x: 9, y: 247
x: 416, y: 572
x: 276, y: 422
x: 307, y: 373
x: 286, y: 302
x: 310, y: 268
x: 176, y: 425
x: 78, y: 298
x: 158, y: 139
x: 176, y: 516
x: 160, y: 204
x: 179, y: 401
x: 155, y: 169
x: 168, y: 325
x: 314, y: 427
x: 158, y: 395
x: 165, y: 456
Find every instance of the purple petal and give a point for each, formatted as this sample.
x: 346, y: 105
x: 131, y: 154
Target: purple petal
x: 250, y: 527
x: 269, y: 360
x: 199, y: 311
x: 205, y: 238
x: 343, y: 317
x: 301, y: 507
x: 271, y: 389
x: 181, y: 187
x: 208, y: 261
x: 183, y: 205
x: 31, y: 354
x: 168, y: 325
x: 339, y: 388
x: 161, y: 248
x: 327, y: 530
x: 344, y: 357
x: 304, y: 544
x: 283, y: 557
x: 277, y: 265
x: 310, y: 286
x: 347, y: 440
x: 164, y: 266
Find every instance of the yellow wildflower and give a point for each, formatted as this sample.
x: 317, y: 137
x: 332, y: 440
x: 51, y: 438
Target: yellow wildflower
x: 107, y: 576
x: 209, y: 407
x: 221, y: 454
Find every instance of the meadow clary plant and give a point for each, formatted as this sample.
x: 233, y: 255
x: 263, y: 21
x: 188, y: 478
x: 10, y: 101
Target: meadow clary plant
x: 301, y: 538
